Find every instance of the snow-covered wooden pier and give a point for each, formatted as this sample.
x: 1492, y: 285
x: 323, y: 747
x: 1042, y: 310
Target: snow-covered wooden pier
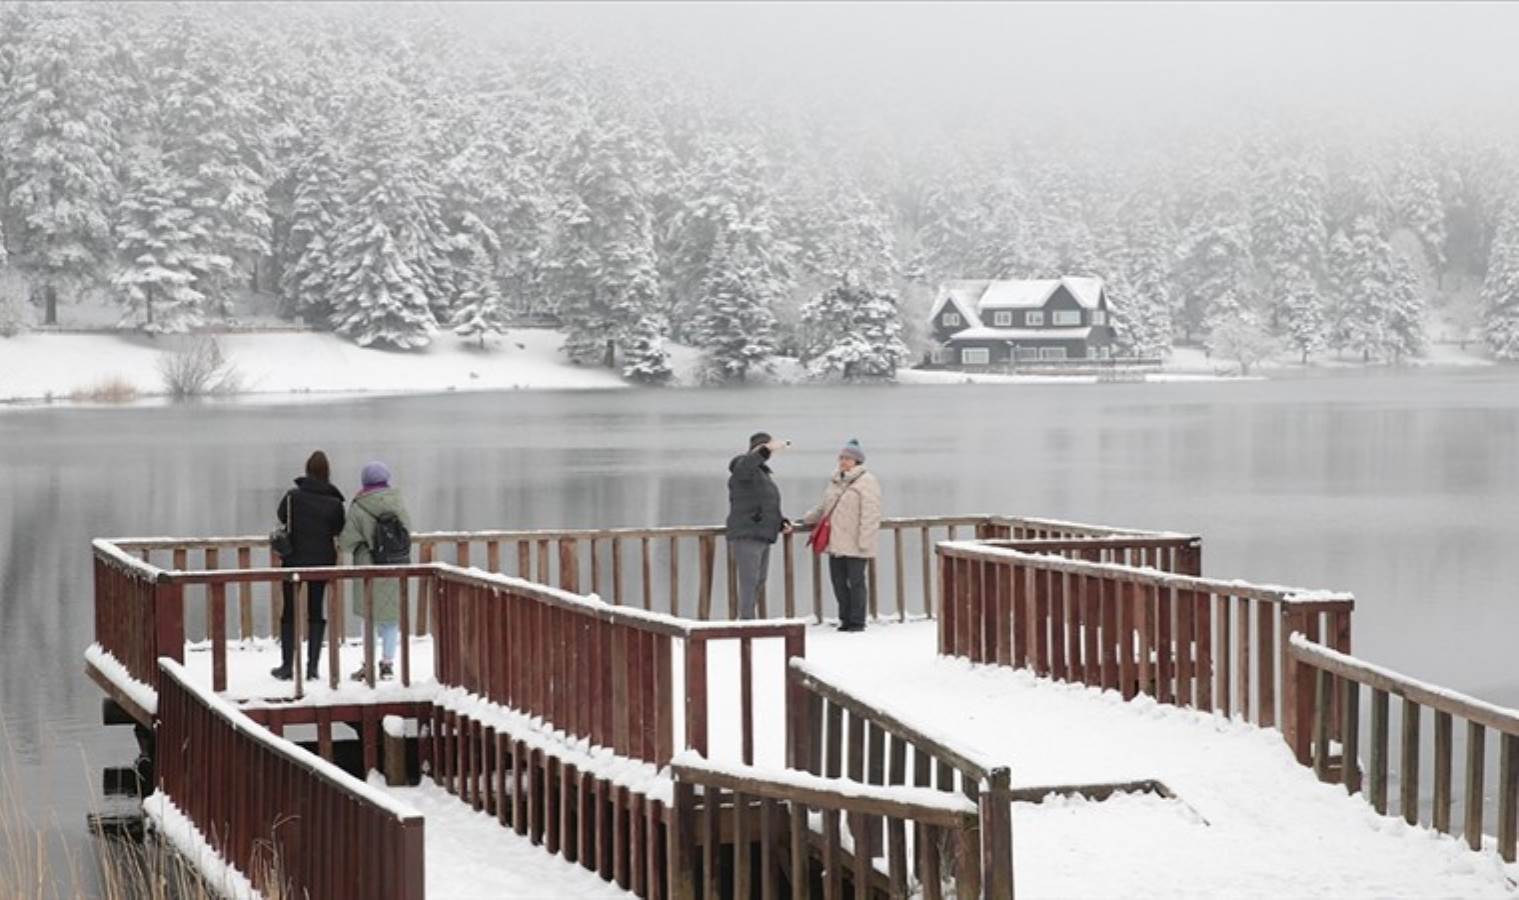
x: 1143, y: 730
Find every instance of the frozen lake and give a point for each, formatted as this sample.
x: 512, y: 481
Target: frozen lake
x: 1400, y: 487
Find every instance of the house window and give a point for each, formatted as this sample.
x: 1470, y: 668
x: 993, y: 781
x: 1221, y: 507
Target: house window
x: 1026, y: 354
x: 975, y: 356
x: 1067, y: 317
x: 1034, y: 318
x: 939, y: 356
x: 1099, y: 317
x: 951, y: 319
x: 1002, y: 319
x: 1052, y: 353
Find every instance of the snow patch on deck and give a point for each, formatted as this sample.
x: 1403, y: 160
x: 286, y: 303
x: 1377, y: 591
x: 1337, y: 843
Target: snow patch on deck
x: 1272, y: 828
x: 471, y: 857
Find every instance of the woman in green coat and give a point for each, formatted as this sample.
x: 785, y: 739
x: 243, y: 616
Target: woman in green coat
x: 375, y: 501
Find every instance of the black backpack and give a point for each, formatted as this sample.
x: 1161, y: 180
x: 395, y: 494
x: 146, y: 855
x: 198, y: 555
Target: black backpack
x: 391, y: 544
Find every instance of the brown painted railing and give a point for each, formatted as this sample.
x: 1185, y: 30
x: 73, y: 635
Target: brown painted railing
x: 136, y: 620
x: 287, y: 817
x: 772, y: 810
x: 673, y: 569
x: 879, y: 744
x: 1329, y: 686
x: 1198, y: 642
x: 597, y: 672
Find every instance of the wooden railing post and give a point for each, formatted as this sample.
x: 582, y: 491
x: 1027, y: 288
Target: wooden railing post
x: 996, y: 809
x: 168, y: 627
x: 1297, y: 691
x: 696, y: 694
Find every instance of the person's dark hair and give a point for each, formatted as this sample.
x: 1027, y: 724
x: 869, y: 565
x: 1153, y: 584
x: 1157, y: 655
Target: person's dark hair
x: 316, y: 466
x: 757, y: 438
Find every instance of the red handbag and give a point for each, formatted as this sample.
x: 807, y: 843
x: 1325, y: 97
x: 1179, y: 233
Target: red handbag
x: 818, y: 540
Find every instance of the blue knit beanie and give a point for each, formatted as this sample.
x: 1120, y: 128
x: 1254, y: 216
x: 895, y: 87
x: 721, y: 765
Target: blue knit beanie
x: 853, y: 450
x: 375, y: 474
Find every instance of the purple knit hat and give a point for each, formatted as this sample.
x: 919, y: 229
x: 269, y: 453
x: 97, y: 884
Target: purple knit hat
x: 375, y: 474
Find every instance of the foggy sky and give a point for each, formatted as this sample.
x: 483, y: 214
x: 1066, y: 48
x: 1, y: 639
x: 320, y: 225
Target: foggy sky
x: 1082, y: 64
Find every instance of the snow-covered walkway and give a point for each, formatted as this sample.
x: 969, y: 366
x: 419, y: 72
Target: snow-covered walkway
x: 1248, y: 822
x: 469, y: 855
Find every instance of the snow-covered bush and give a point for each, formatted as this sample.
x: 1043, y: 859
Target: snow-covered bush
x: 198, y: 369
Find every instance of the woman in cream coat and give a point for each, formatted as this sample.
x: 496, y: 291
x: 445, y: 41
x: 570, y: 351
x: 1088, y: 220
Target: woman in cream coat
x: 852, y: 505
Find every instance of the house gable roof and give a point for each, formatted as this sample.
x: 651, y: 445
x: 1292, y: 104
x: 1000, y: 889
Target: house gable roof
x: 1034, y: 293
x: 965, y: 294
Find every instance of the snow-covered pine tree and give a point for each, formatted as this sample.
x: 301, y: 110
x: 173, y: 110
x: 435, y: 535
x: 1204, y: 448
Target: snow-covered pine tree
x: 387, y: 267
x: 1418, y: 205
x: 644, y: 359
x: 853, y: 331
x: 1287, y: 238
x: 480, y: 310
x: 728, y: 214
x: 1216, y: 269
x: 60, y: 144
x: 164, y: 251
x: 1303, y: 311
x: 734, y: 318
x: 1500, y: 289
x: 604, y: 273
x: 208, y: 120
x: 306, y: 281
x: 1139, y: 278
x: 1379, y: 311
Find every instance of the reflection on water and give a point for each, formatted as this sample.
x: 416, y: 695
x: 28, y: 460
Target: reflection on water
x: 1401, y: 488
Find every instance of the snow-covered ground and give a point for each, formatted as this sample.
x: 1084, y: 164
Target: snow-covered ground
x: 35, y: 366
x: 1247, y: 821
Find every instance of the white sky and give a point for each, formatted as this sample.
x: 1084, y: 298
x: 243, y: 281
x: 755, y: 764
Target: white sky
x: 1150, y: 61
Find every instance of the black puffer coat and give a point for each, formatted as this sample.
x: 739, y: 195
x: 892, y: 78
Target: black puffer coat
x: 316, y: 519
x: 754, y: 500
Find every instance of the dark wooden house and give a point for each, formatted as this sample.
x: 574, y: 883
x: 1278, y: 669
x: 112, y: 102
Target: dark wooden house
x: 1000, y: 324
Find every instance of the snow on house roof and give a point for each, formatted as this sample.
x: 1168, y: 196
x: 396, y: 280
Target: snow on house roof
x: 1032, y: 294
x: 966, y: 295
x: 982, y: 333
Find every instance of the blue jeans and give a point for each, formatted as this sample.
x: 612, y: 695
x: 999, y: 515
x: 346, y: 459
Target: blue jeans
x: 390, y: 636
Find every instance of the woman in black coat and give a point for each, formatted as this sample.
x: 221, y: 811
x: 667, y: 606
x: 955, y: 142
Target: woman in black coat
x: 312, y: 511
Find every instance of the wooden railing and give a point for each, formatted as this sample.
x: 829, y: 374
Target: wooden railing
x: 1330, y: 685
x: 772, y: 809
x: 879, y: 745
x: 287, y: 816
x: 673, y: 569
x: 135, y: 620
x: 596, y: 672
x: 1197, y: 642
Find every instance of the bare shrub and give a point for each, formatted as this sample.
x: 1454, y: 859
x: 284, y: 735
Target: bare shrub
x: 114, y: 389
x: 197, y: 370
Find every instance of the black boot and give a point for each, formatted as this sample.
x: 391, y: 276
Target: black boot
x: 316, y: 631
x: 287, y: 650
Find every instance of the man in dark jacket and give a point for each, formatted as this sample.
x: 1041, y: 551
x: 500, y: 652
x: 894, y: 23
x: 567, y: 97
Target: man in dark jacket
x: 754, y: 517
x: 312, y: 511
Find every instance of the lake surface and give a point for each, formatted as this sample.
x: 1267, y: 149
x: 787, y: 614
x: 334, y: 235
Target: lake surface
x: 1400, y: 487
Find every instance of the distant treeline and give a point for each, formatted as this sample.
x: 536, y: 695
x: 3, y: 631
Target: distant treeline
x: 389, y: 172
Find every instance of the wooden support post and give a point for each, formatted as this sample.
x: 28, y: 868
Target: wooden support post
x: 997, y: 836
x: 1350, y: 730
x: 682, y: 843
x: 1323, y: 688
x: 393, y: 752
x: 1476, y: 756
x: 1378, y: 786
x: 1440, y: 814
x: 1508, y: 796
x: 1408, y: 776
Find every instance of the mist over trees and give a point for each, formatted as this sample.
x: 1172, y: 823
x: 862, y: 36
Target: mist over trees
x: 392, y: 172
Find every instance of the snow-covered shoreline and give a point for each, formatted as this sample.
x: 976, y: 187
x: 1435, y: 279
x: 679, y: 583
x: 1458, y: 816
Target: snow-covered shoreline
x: 284, y: 366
